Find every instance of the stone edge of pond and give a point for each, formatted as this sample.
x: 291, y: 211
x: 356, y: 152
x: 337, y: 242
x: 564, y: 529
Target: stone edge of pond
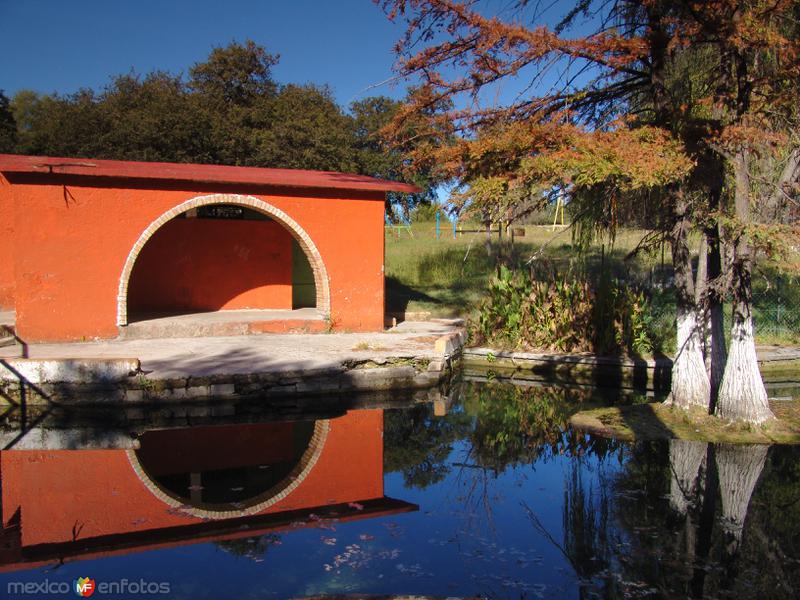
x: 658, y: 421
x: 776, y: 364
x: 122, y: 381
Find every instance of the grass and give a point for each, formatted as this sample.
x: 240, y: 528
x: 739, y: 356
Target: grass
x: 447, y: 277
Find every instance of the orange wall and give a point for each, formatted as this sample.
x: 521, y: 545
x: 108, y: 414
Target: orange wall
x: 97, y: 492
x: 73, y: 241
x: 6, y: 247
x: 213, y: 264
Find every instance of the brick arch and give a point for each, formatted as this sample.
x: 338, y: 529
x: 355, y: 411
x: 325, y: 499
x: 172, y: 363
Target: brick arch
x: 312, y: 254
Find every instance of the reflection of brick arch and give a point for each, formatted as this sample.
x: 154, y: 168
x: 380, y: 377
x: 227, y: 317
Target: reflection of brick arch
x: 255, y: 505
x: 314, y: 258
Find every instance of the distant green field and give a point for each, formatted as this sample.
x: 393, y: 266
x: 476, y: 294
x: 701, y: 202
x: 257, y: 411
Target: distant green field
x: 447, y: 277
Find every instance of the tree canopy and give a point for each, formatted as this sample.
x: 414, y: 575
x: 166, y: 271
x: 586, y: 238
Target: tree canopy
x: 693, y: 103
x: 228, y: 110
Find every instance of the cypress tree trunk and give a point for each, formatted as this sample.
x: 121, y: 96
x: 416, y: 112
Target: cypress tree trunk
x: 690, y: 384
x: 742, y: 396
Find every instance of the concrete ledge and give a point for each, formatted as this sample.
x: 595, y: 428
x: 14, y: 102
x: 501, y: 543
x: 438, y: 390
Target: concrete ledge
x: 776, y: 365
x: 114, y: 382
x: 596, y: 371
x: 172, y: 371
x: 451, y: 343
x: 522, y: 358
x: 67, y: 370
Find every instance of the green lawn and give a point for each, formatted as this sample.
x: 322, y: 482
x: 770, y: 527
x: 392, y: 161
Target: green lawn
x: 447, y: 277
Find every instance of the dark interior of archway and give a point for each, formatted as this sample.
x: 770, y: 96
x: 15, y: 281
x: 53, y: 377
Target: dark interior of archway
x: 224, y: 465
x: 219, y: 257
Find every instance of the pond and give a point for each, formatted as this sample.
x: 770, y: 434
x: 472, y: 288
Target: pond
x: 487, y: 493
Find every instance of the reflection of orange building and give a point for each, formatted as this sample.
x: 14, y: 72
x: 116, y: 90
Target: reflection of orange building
x: 186, y: 486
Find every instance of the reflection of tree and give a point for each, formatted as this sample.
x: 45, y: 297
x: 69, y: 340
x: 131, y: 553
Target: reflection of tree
x: 738, y: 468
x: 519, y: 425
x: 685, y: 459
x: 417, y: 444
x: 705, y: 524
x: 588, y: 545
x: 586, y: 531
x: 504, y: 426
x: 253, y: 548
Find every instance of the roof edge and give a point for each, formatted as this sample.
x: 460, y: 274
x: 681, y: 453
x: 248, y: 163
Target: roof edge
x: 163, y: 171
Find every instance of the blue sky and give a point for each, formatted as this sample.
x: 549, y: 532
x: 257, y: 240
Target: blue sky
x: 61, y: 45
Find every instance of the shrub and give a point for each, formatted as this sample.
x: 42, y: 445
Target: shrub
x: 564, y: 314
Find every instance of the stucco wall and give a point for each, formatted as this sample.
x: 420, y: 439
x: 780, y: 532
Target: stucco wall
x: 6, y: 247
x: 73, y: 239
x: 213, y: 264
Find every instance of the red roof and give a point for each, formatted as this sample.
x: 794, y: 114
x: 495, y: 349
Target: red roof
x: 124, y: 169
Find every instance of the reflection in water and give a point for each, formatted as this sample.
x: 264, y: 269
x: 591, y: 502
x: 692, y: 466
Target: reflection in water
x: 216, y: 468
x: 512, y: 503
x: 235, y: 484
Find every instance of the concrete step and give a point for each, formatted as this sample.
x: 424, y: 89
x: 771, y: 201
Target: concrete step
x: 225, y: 323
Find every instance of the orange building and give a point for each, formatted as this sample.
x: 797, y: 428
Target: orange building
x: 186, y: 486
x: 88, y: 247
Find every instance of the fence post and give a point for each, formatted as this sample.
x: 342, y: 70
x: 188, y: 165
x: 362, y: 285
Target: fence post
x: 438, y: 231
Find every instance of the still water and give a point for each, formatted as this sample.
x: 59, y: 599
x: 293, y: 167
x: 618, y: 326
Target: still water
x: 487, y: 493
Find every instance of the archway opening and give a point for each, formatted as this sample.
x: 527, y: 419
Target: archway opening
x: 242, y: 260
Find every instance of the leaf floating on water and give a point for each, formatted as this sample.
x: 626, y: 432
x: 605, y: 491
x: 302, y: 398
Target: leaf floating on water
x: 356, y: 505
x: 328, y: 541
x: 365, y: 537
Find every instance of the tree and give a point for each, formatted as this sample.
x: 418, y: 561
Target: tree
x: 376, y: 158
x: 304, y: 128
x: 153, y: 118
x: 8, y: 126
x: 236, y: 75
x: 641, y: 74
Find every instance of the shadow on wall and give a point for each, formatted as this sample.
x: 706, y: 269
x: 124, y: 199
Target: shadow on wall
x: 207, y: 264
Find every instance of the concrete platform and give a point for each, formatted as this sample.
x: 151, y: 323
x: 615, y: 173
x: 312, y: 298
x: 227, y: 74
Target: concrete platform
x: 411, y: 355
x: 224, y: 323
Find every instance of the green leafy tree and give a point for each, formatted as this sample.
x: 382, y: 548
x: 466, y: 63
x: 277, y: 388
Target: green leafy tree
x: 8, y: 126
x: 378, y: 159
x: 153, y: 118
x: 304, y: 128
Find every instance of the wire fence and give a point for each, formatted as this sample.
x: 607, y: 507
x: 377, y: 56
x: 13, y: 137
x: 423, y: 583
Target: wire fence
x: 776, y: 318
x: 771, y: 318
